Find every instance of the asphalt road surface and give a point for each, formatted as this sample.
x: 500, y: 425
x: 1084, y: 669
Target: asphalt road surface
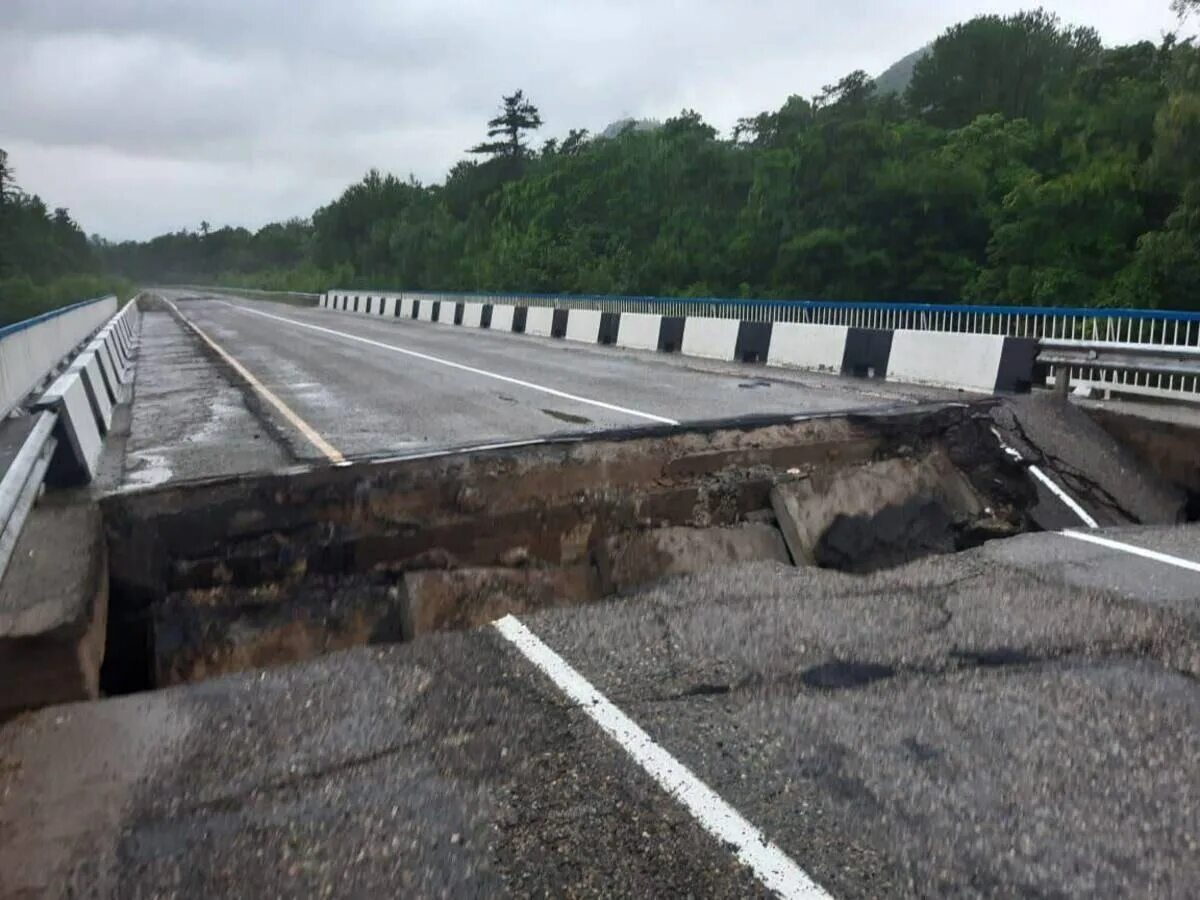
x: 373, y: 386
x: 1016, y: 720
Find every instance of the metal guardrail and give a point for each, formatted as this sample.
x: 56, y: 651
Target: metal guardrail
x: 1135, y: 328
x: 22, y: 481
x: 1159, y: 370
x: 31, y: 352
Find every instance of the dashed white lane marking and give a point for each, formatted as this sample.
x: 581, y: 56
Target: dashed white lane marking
x: 1054, y: 488
x: 772, y: 866
x: 637, y: 413
x: 331, y: 453
x: 1135, y: 550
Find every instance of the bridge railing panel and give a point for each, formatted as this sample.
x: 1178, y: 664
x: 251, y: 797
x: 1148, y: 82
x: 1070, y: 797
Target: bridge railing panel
x: 31, y: 349
x: 1144, y: 328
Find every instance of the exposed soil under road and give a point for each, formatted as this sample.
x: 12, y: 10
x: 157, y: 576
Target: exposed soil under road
x: 268, y: 569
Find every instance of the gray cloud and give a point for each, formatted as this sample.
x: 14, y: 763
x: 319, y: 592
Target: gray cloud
x: 150, y: 115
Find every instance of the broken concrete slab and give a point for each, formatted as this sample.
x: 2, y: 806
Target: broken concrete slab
x: 1104, y: 476
x: 438, y: 600
x: 881, y: 513
x: 229, y: 544
x: 635, y: 558
x: 53, y: 609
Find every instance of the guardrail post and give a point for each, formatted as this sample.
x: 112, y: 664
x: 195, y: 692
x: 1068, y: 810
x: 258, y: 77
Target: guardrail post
x: 1062, y: 383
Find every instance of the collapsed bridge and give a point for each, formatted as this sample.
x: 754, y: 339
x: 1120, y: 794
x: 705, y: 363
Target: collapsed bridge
x: 347, y: 591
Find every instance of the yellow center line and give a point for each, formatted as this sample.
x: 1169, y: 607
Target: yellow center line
x: 331, y: 452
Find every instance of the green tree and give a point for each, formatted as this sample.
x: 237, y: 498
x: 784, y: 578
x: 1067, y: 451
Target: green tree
x: 517, y: 116
x: 45, y: 258
x: 1058, y: 241
x: 574, y: 142
x: 1165, y: 269
x: 1010, y: 65
x: 853, y: 92
x: 1027, y: 164
x: 775, y: 129
x: 8, y: 186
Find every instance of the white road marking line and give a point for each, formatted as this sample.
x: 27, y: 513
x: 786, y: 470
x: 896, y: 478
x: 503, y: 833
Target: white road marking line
x: 460, y: 366
x: 772, y: 866
x: 1136, y: 551
x: 465, y: 448
x: 1054, y: 488
x: 1064, y: 497
x: 331, y: 453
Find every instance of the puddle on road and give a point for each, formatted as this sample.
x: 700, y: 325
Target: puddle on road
x: 253, y: 571
x: 149, y: 470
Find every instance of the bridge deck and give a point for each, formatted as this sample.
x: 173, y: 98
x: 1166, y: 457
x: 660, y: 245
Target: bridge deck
x: 1012, y: 719
x: 373, y: 386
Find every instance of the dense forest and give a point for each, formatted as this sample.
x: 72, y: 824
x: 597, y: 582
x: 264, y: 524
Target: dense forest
x: 1023, y: 163
x: 45, y: 258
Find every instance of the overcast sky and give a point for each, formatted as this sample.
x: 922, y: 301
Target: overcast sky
x: 146, y: 116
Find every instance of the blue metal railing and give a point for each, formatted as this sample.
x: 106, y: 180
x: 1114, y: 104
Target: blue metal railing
x: 1121, y: 325
x: 6, y: 330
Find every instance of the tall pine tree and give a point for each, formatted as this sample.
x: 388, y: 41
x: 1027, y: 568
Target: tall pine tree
x: 517, y: 116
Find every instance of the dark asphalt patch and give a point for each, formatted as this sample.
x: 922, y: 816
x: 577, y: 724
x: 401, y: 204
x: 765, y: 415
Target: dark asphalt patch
x: 707, y: 690
x: 840, y: 675
x: 1001, y: 656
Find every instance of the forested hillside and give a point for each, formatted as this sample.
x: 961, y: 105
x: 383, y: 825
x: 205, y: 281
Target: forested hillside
x: 896, y: 77
x: 1024, y: 164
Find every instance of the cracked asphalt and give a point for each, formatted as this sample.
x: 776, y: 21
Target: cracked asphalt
x: 1016, y: 720
x: 1089, y: 464
x: 993, y: 723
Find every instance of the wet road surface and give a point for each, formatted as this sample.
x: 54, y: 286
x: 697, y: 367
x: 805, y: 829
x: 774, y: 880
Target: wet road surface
x: 1015, y: 719
x: 355, y: 381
